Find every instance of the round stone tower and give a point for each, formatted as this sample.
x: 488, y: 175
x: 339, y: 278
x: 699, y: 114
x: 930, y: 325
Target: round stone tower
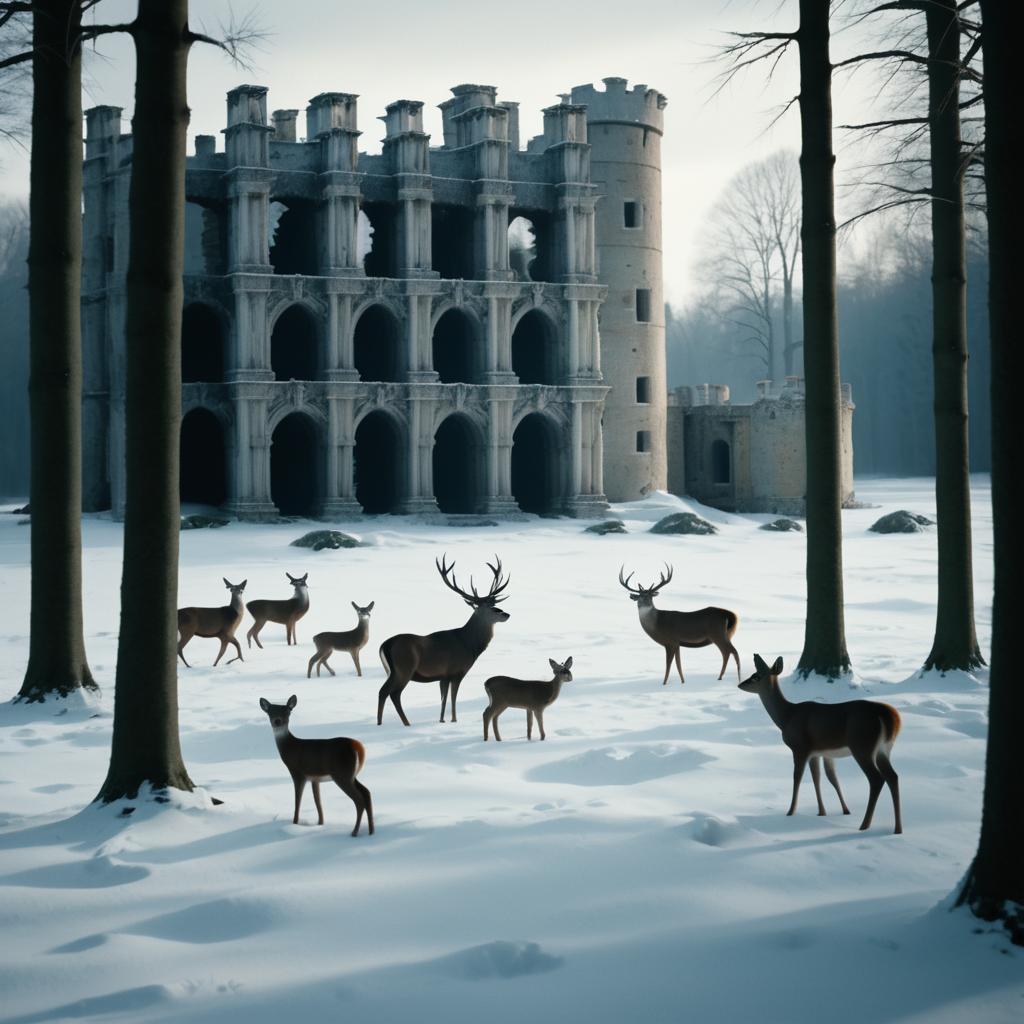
x: 624, y: 129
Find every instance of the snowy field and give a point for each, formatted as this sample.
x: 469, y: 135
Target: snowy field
x: 638, y: 865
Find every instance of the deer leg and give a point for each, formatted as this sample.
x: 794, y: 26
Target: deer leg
x: 348, y: 786
x: 309, y: 667
x: 830, y: 774
x: 396, y: 699
x: 799, y: 764
x: 816, y: 778
x: 355, y: 658
x: 679, y: 668
x: 736, y: 655
x: 316, y: 800
x: 444, y: 696
x: 487, y: 721
x: 367, y: 803
x: 254, y: 634
x: 540, y: 722
x: 238, y: 656
x: 498, y: 708
x: 529, y: 724
x: 456, y: 683
x: 300, y: 785
x: 382, y: 696
x: 223, y: 648
x: 181, y: 645
x: 724, y: 651
x: 323, y: 663
x: 893, y: 782
x: 668, y: 665
x: 875, y: 782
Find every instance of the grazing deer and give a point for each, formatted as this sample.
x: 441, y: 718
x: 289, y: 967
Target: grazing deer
x: 863, y: 729
x: 316, y: 761
x: 351, y: 640
x: 214, y: 622
x: 683, y: 629
x: 446, y: 656
x: 532, y: 695
x: 286, y: 612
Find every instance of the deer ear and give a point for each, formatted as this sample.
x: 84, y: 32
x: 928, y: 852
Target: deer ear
x: 354, y: 605
x: 306, y: 577
x: 759, y: 664
x: 777, y: 667
x: 292, y: 701
x: 265, y: 704
x: 226, y: 584
x: 568, y: 662
x: 241, y: 586
x: 555, y: 667
x: 369, y: 607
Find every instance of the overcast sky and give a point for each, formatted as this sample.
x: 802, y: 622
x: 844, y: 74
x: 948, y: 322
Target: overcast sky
x: 530, y: 50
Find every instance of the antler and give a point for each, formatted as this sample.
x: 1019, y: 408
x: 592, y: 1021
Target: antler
x: 625, y: 582
x: 452, y: 584
x: 640, y: 588
x: 497, y: 585
x: 492, y: 595
x: 664, y: 579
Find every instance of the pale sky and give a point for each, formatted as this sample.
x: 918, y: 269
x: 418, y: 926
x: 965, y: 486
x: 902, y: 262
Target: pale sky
x: 530, y: 50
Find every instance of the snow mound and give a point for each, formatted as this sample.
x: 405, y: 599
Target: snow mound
x: 500, y: 959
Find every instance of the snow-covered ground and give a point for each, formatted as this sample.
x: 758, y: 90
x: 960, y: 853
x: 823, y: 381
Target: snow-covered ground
x: 637, y: 865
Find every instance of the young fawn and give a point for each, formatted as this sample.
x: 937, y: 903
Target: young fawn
x: 862, y: 729
x: 532, y: 695
x: 316, y: 761
x: 287, y: 612
x: 351, y: 640
x: 213, y: 622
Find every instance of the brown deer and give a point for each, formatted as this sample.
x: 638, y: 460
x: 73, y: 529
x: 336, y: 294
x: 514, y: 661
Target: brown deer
x: 316, y: 761
x: 532, y: 695
x: 214, y: 622
x: 446, y: 656
x: 862, y: 729
x: 351, y: 640
x: 683, y: 629
x: 287, y: 612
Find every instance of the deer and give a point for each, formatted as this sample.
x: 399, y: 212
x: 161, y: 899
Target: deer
x: 316, y: 761
x: 446, y: 656
x: 683, y: 629
x: 287, y: 612
x: 351, y: 640
x: 531, y: 695
x: 862, y: 729
x: 214, y: 622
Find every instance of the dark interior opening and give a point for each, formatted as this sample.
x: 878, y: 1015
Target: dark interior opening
x: 206, y: 239
x: 451, y: 245
x: 293, y: 345
x: 377, y: 345
x: 203, y: 474
x: 295, y: 466
x: 202, y: 344
x: 535, y: 350
x: 458, y: 466
x: 381, y: 258
x: 531, y: 239
x: 536, y: 470
x: 455, y: 358
x: 293, y: 248
x: 378, y: 463
x: 630, y: 214
x: 721, y: 463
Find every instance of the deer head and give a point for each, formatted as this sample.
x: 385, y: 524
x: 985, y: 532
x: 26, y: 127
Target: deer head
x: 562, y: 672
x: 235, y: 588
x: 644, y: 596
x: 763, y: 677
x: 485, y: 605
x: 363, y: 613
x: 279, y: 713
x: 299, y: 582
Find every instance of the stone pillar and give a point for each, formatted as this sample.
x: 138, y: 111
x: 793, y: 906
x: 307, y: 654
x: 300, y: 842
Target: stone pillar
x: 499, y: 500
x: 407, y: 152
x: 249, y: 342
x: 247, y: 157
x: 340, y: 498
x: 419, y: 341
x: 419, y: 496
x: 250, y: 469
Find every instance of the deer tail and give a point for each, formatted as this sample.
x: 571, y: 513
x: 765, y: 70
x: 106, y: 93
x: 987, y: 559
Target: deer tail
x: 891, y: 723
x: 384, y: 658
x: 360, y: 751
x: 732, y: 620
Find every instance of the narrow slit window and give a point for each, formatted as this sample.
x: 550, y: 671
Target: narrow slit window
x: 643, y: 440
x: 643, y: 305
x: 631, y: 214
x: 643, y: 390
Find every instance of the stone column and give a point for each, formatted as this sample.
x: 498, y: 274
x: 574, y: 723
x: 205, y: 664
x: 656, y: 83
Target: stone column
x: 250, y: 471
x: 499, y: 500
x: 419, y: 496
x: 339, y: 499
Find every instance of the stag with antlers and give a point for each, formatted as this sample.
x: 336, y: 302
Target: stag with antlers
x: 683, y: 629
x: 446, y: 656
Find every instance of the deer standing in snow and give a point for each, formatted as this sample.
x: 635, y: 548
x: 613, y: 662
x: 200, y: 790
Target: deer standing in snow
x: 683, y: 629
x: 214, y: 622
x: 446, y: 656
x: 316, y: 761
x: 351, y: 640
x: 287, y: 612
x: 531, y: 695
x: 862, y: 729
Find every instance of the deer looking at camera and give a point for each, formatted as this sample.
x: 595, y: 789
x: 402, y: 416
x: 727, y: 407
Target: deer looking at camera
x: 531, y: 695
x: 862, y: 729
x: 683, y: 629
x: 286, y: 612
x: 446, y: 656
x: 214, y: 622
x: 316, y: 761
x: 351, y: 640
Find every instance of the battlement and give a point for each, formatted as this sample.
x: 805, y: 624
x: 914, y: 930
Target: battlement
x: 617, y: 103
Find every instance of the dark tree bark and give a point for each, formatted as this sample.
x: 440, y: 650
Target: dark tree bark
x: 57, y: 664
x: 956, y: 644
x: 994, y: 886
x: 146, y: 747
x: 825, y: 636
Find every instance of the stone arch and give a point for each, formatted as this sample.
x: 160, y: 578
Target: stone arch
x: 203, y: 343
x: 297, y: 465
x: 540, y: 464
x: 202, y: 475
x: 721, y: 462
x: 537, y: 356
x: 379, y: 462
x: 294, y: 343
x: 292, y: 242
x: 457, y: 346
x: 377, y: 343
x: 459, y: 464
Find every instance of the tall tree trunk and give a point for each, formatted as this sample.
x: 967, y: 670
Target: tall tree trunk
x: 994, y: 886
x: 825, y: 637
x: 56, y: 663
x: 146, y: 747
x: 956, y: 644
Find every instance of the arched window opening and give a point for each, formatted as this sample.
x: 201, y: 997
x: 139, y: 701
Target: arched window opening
x: 378, y: 463
x: 292, y: 242
x: 202, y: 344
x: 295, y: 466
x: 376, y: 240
x: 530, y: 245
x: 458, y: 466
x: 721, y: 462
x: 537, y: 466
x: 535, y: 355
x: 377, y: 345
x: 456, y: 359
x: 451, y: 241
x: 206, y: 229
x: 202, y: 475
x: 293, y: 345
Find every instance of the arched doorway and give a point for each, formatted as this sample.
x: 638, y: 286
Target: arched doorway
x: 293, y: 345
x: 202, y: 344
x: 296, y: 466
x: 378, y: 463
x: 721, y: 462
x: 538, y: 472
x: 377, y: 345
x: 202, y: 475
x: 535, y: 350
x: 456, y: 358
x: 458, y: 465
